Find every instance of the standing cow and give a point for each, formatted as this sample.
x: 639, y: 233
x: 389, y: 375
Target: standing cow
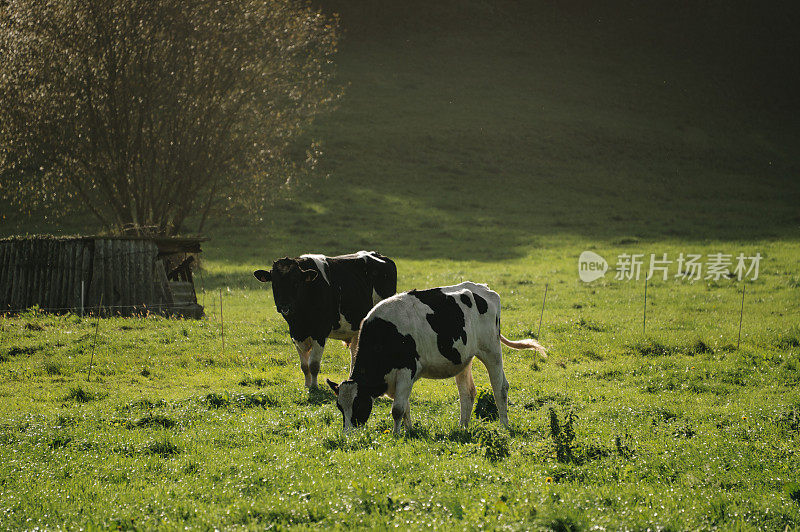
x: 432, y: 334
x: 327, y: 297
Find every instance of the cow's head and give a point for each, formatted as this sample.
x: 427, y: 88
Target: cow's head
x: 354, y: 405
x: 288, y: 282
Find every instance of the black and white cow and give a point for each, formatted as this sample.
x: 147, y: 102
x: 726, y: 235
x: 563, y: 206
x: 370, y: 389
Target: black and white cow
x: 327, y: 297
x: 431, y: 334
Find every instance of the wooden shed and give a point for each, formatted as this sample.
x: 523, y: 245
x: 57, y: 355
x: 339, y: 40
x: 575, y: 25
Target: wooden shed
x: 112, y: 275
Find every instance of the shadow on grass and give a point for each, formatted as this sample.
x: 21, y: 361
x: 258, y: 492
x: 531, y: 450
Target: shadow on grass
x: 321, y: 396
x: 516, y: 156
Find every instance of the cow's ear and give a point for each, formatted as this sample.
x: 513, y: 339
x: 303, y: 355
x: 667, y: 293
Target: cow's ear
x: 309, y: 275
x: 333, y: 385
x: 263, y: 275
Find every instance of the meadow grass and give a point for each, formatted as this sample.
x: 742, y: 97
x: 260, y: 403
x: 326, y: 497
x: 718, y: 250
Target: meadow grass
x: 495, y: 158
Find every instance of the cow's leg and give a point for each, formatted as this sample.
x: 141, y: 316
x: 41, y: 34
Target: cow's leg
x: 303, y: 349
x: 407, y: 416
x: 314, y: 360
x: 466, y: 394
x: 401, y: 408
x: 494, y: 366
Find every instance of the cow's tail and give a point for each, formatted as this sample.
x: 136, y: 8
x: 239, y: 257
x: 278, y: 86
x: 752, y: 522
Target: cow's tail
x: 528, y: 343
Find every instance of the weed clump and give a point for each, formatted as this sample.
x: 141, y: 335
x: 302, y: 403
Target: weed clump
x: 563, y: 435
x: 700, y: 348
x: 485, y: 407
x: 79, y: 395
x: 143, y: 404
x: 258, y: 382
x: 59, y: 441
x: 163, y: 447
x: 564, y: 523
x: 250, y: 400
x: 8, y: 354
x: 684, y: 430
x: 592, y: 355
x: 788, y: 342
x: 153, y: 420
x: 652, y: 348
x: 246, y: 400
x: 622, y: 446
x: 494, y: 443
x: 53, y: 368
x: 459, y: 435
x: 790, y: 418
x: 793, y: 491
x: 64, y: 421
x: 215, y: 400
x: 590, y: 325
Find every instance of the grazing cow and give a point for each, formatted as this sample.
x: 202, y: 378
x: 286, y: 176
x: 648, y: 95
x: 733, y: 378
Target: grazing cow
x: 432, y: 334
x: 327, y: 297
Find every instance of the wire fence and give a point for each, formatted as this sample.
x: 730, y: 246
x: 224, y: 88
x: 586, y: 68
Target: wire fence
x: 212, y: 311
x: 77, y: 310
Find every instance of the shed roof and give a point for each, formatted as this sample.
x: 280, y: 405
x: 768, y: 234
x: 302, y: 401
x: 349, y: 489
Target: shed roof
x: 176, y: 244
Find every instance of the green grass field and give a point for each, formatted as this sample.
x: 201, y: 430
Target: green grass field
x: 494, y: 155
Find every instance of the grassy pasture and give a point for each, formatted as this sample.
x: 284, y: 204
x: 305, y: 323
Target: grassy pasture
x: 490, y: 156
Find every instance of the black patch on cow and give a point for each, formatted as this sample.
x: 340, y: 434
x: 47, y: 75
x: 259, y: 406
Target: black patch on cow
x: 381, y: 272
x: 353, y: 278
x: 447, y: 321
x: 381, y: 348
x: 466, y: 300
x: 480, y: 304
x: 314, y: 307
x: 362, y: 407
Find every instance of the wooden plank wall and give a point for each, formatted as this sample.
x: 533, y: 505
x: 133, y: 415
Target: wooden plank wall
x: 45, y: 272
x: 123, y: 275
x: 48, y: 272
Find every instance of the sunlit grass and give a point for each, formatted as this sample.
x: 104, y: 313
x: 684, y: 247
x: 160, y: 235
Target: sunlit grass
x: 675, y: 429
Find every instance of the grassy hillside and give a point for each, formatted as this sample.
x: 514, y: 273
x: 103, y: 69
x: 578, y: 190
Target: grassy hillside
x: 486, y: 144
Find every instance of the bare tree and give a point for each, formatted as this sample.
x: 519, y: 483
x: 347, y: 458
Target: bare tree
x: 148, y: 111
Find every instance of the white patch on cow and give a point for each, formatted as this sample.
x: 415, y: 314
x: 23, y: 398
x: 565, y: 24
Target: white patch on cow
x: 368, y: 254
x: 346, y: 397
x: 322, y: 264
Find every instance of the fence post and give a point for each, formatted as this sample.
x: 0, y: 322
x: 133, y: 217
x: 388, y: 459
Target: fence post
x: 539, y: 332
x: 644, y: 310
x: 221, y: 322
x: 94, y: 344
x: 741, y: 316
